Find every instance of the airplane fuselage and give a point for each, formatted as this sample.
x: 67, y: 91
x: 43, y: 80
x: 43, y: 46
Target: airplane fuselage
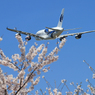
x: 49, y: 34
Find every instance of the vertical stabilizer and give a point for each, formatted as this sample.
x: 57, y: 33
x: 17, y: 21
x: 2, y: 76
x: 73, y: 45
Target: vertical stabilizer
x: 61, y: 18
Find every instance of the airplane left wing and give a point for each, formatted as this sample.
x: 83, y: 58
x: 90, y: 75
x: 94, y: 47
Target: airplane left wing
x: 25, y: 33
x: 72, y: 34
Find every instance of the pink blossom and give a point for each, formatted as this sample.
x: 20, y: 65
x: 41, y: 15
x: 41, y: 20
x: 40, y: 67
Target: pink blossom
x: 45, y: 70
x: 21, y: 74
x: 38, y: 72
x: 15, y: 57
x: 55, y: 91
x: 35, y: 44
x: 31, y: 87
x: 1, y: 39
x: 40, y: 48
x: 25, y: 43
x: 59, y: 93
x: 30, y: 69
x: 62, y: 43
x: 36, y: 81
x: 40, y: 59
x: 10, y: 77
x: 21, y: 43
x: 44, y: 51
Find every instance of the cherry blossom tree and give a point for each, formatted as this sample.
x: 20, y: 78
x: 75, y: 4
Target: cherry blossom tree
x: 23, y: 62
x: 20, y: 63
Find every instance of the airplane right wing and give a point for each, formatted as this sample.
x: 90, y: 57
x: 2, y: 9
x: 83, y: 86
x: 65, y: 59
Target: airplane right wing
x: 25, y: 33
x: 72, y: 34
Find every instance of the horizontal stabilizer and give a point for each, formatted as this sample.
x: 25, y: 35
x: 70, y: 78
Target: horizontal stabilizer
x: 55, y: 29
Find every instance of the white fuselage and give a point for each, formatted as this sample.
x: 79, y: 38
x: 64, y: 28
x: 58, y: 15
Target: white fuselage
x: 49, y: 34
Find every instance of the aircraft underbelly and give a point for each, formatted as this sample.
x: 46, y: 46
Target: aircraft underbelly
x: 54, y: 35
x: 58, y: 33
x: 50, y: 36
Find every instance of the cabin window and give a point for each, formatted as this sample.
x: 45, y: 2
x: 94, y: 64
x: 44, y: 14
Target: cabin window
x: 46, y: 30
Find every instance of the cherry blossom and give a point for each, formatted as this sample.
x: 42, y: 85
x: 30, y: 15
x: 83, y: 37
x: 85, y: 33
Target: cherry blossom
x: 1, y: 39
x: 29, y: 71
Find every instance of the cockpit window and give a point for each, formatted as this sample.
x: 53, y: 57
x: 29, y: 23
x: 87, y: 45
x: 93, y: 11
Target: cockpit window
x: 46, y: 30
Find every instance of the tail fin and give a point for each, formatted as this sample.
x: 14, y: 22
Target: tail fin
x: 61, y: 19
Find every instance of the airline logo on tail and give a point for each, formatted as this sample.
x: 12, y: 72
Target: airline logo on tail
x: 61, y: 18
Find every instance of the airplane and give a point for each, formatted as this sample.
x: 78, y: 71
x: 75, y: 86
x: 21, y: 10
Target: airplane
x: 51, y: 33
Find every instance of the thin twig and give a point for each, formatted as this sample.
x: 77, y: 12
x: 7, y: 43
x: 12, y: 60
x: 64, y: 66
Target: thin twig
x: 5, y: 92
x: 20, y: 82
x: 62, y: 88
x: 59, y: 85
x: 26, y: 81
x: 67, y: 87
x: 48, y: 83
x: 41, y: 91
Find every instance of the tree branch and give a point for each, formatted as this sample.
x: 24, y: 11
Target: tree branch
x: 25, y: 81
x: 5, y: 92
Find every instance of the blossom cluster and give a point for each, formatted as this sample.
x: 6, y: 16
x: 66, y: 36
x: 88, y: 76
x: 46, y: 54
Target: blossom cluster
x: 1, y: 38
x: 20, y: 63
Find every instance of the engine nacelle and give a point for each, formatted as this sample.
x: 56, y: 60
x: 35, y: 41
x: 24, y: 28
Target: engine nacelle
x: 28, y: 37
x: 53, y: 35
x: 78, y: 36
x: 17, y: 34
x: 62, y: 38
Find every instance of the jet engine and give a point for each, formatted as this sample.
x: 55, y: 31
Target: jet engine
x: 53, y: 34
x: 78, y: 36
x: 62, y: 38
x: 17, y: 34
x: 28, y: 37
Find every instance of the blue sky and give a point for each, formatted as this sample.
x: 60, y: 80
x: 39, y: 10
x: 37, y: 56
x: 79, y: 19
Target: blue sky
x: 34, y: 15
